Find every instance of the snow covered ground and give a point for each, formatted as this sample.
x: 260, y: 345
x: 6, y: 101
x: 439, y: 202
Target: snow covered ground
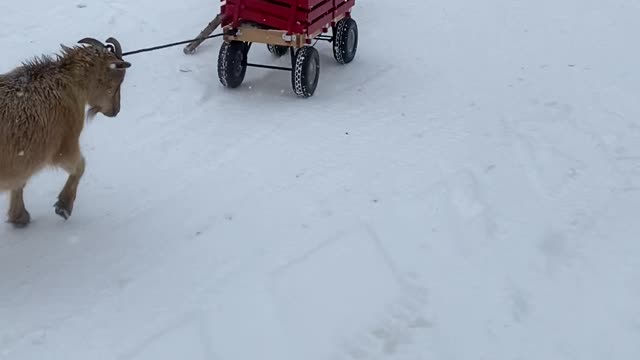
x: 469, y: 188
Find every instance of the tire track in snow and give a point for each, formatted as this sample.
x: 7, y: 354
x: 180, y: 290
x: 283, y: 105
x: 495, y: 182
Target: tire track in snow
x: 381, y: 327
x: 201, y: 339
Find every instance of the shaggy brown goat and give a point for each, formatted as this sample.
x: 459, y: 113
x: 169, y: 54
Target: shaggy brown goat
x: 42, y: 113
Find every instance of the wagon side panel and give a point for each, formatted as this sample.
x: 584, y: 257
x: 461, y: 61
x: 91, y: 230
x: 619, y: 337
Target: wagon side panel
x: 337, y: 11
x: 275, y: 9
x: 302, y: 4
x: 271, y: 14
x: 321, y: 10
x: 294, y: 16
x: 250, y: 15
x: 343, y: 7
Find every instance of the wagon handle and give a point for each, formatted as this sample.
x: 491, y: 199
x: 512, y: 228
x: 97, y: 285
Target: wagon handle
x: 213, y: 24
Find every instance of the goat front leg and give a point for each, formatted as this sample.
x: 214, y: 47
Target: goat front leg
x: 18, y: 214
x: 74, y: 166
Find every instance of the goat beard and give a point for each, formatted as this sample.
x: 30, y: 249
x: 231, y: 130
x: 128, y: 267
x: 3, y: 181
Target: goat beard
x: 92, y: 112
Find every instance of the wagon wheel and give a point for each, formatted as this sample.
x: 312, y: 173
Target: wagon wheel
x: 345, y: 44
x: 306, y: 71
x: 277, y: 50
x: 232, y: 63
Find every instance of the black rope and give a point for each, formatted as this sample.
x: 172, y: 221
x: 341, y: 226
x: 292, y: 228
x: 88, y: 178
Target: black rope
x: 169, y: 45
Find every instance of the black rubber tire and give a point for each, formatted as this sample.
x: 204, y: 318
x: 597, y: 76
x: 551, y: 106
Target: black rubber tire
x: 232, y: 63
x: 306, y: 71
x: 278, y: 50
x: 345, y: 42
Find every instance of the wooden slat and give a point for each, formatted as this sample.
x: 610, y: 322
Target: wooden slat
x: 320, y: 23
x: 303, y: 4
x: 344, y: 6
x: 280, y: 11
x: 321, y: 10
x: 258, y: 17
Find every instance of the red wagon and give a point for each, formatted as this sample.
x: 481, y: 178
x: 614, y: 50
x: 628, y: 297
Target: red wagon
x: 285, y: 26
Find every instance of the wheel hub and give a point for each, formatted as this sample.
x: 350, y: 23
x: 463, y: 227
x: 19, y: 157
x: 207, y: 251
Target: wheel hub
x: 237, y: 70
x: 312, y: 70
x: 351, y: 40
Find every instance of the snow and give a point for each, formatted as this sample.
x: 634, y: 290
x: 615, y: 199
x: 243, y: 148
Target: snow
x: 468, y: 188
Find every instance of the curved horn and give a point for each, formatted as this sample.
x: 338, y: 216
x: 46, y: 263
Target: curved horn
x: 92, y: 42
x: 116, y: 45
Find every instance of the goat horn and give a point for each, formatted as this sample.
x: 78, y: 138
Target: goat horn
x: 92, y: 42
x: 116, y: 45
x: 120, y: 64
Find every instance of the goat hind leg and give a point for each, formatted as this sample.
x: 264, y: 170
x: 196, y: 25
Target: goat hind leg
x: 75, y: 168
x: 18, y: 214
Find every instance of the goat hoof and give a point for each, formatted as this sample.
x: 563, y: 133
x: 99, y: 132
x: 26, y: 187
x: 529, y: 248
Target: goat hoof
x: 20, y: 221
x: 62, y: 209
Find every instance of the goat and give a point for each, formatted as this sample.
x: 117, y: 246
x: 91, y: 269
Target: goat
x: 42, y: 113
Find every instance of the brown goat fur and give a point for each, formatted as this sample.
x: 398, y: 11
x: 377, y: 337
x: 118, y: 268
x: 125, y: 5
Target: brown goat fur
x: 42, y: 114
